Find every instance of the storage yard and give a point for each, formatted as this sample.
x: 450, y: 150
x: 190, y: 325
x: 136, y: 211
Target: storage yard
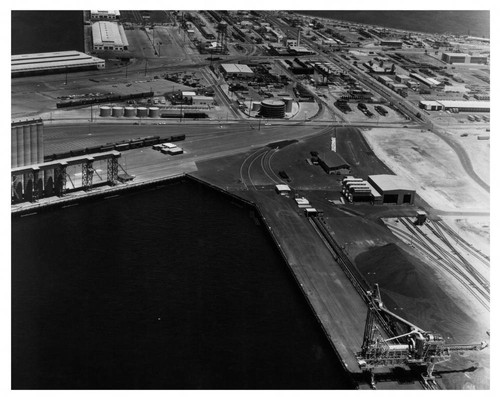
x: 341, y: 134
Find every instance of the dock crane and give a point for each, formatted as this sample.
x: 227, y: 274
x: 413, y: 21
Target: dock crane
x: 414, y: 347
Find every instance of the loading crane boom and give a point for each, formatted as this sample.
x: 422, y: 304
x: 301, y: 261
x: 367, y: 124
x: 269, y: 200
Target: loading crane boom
x: 415, y: 347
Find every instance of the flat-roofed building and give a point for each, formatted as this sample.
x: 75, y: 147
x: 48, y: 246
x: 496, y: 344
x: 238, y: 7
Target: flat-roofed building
x: 430, y: 105
x: 200, y: 100
x: 422, y: 79
x: 391, y: 43
x: 455, y: 57
x: 466, y: 106
x: 109, y: 36
x: 402, y: 78
x: 53, y: 62
x: 393, y: 188
x: 112, y: 15
x: 236, y: 70
x: 385, y: 80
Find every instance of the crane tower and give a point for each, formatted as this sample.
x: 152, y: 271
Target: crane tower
x: 414, y: 347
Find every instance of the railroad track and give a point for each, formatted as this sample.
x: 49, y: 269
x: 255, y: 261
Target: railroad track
x: 455, y: 236
x: 467, y: 265
x: 449, y: 263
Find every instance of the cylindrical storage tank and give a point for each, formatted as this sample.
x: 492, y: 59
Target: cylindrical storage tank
x: 272, y: 109
x: 129, y: 111
x: 104, y: 111
x: 288, y: 104
x: 117, y: 111
x: 154, y: 112
x: 255, y: 106
x: 142, y: 112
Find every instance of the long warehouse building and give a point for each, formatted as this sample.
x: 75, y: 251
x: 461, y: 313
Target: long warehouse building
x: 53, y: 62
x: 109, y: 36
x: 461, y: 106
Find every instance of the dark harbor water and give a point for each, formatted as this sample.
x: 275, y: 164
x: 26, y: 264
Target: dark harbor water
x: 474, y: 23
x: 172, y: 288
x: 46, y: 31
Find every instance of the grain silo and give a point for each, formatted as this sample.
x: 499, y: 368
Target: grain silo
x: 26, y: 142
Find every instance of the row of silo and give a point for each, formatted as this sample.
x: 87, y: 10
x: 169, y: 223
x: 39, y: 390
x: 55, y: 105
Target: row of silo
x: 26, y: 143
x: 128, y: 111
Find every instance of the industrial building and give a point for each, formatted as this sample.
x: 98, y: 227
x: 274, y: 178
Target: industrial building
x: 461, y: 106
x: 44, y: 179
x: 393, y: 189
x: 110, y: 15
x: 53, y: 62
x: 236, y: 70
x: 432, y: 83
x: 385, y: 80
x: 430, y: 105
x: 333, y: 163
x: 454, y: 57
x: 109, y: 36
x: 402, y: 78
x: 26, y: 140
x: 200, y: 100
x: 283, y: 190
x: 391, y: 43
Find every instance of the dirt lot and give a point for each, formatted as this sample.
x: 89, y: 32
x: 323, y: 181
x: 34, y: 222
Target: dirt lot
x: 431, y: 165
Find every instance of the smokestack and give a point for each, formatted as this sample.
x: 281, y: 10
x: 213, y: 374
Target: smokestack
x: 298, y: 39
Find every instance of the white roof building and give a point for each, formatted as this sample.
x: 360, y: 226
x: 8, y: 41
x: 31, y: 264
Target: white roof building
x: 53, y: 61
x: 236, y: 68
x: 467, y: 105
x: 283, y: 189
x: 389, y: 183
x: 109, y: 36
x: 104, y: 14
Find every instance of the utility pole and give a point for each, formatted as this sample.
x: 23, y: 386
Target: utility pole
x: 146, y: 67
x: 126, y: 70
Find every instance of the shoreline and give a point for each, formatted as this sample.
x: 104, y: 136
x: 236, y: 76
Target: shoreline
x: 397, y: 29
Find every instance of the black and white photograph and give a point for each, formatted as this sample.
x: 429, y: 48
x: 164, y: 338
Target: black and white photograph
x: 291, y: 198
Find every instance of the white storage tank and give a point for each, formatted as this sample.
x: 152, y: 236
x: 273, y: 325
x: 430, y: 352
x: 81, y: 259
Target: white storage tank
x: 129, y: 111
x: 288, y: 104
x: 142, y: 112
x: 117, y: 111
x: 104, y: 111
x: 154, y: 112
